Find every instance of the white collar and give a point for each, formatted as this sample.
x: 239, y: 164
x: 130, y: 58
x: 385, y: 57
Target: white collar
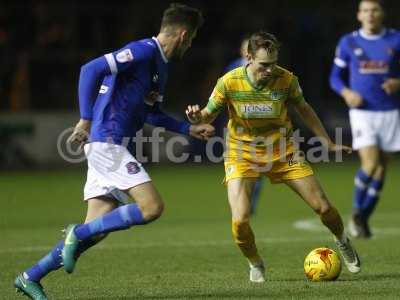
x: 161, y: 50
x: 372, y: 36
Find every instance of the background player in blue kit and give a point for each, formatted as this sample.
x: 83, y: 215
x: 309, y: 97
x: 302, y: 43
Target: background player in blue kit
x: 118, y: 93
x: 370, y: 59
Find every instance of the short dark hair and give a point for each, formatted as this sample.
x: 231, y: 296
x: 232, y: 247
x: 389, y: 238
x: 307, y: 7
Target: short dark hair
x: 262, y: 39
x: 380, y: 2
x: 178, y: 14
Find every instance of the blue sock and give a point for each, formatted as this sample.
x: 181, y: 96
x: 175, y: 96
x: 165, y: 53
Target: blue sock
x: 371, y: 198
x: 52, y: 261
x: 255, y: 196
x: 120, y: 218
x: 361, y: 182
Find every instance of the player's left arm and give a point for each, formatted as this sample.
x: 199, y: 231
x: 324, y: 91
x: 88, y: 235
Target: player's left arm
x: 156, y: 117
x: 311, y: 119
x: 391, y: 85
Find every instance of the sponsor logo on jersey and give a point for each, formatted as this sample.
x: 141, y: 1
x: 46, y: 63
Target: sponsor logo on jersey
x: 155, y: 78
x: 373, y: 67
x: 132, y: 167
x: 124, y: 56
x: 256, y: 109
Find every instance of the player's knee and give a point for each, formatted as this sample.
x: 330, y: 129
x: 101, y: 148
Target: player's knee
x: 153, y: 210
x: 370, y: 166
x: 241, y: 216
x: 322, y: 205
x: 324, y: 209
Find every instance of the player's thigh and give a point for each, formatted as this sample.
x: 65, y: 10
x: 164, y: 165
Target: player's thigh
x: 370, y: 158
x: 99, y: 206
x: 148, y: 199
x: 309, y: 189
x: 239, y: 195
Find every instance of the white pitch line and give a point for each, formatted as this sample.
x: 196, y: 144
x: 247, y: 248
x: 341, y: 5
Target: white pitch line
x: 214, y: 243
x: 314, y: 224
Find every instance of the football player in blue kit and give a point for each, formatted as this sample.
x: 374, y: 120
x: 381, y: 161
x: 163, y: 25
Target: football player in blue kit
x: 366, y: 73
x: 118, y: 93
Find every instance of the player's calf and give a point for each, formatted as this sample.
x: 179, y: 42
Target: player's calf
x: 332, y: 220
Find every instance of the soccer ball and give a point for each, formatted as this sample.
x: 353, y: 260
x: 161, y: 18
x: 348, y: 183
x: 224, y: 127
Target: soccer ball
x: 322, y: 264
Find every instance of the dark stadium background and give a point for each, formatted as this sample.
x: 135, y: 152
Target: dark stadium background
x: 189, y: 252
x: 44, y: 43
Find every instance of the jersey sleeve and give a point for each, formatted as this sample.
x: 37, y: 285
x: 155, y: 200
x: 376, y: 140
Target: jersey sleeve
x: 342, y: 54
x: 295, y: 92
x: 131, y: 54
x: 156, y: 117
x: 217, y: 100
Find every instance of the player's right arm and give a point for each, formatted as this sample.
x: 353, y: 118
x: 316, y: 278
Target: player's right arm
x: 92, y: 75
x: 215, y: 105
x: 339, y: 72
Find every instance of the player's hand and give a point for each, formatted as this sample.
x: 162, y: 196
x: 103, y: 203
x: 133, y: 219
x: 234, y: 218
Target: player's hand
x: 80, y: 134
x: 352, y: 98
x: 335, y: 147
x: 202, y: 131
x: 193, y: 114
x: 391, y: 86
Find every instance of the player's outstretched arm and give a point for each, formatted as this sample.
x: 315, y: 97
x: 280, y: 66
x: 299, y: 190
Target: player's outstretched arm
x: 156, y: 117
x: 197, y: 116
x: 310, y: 118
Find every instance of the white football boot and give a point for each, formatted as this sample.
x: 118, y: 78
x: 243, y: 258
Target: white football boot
x: 349, y: 255
x: 257, y: 272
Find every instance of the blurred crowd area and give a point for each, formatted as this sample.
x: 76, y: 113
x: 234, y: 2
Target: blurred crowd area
x: 44, y: 43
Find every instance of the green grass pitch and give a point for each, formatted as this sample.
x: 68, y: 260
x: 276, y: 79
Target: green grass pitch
x: 189, y: 253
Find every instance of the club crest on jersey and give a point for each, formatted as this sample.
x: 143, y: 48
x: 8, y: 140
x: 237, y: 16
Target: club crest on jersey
x: 358, y: 51
x: 132, y: 167
x: 275, y: 95
x: 103, y: 89
x: 124, y: 56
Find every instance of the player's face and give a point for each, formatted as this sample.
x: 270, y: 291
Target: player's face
x: 263, y: 64
x: 370, y: 14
